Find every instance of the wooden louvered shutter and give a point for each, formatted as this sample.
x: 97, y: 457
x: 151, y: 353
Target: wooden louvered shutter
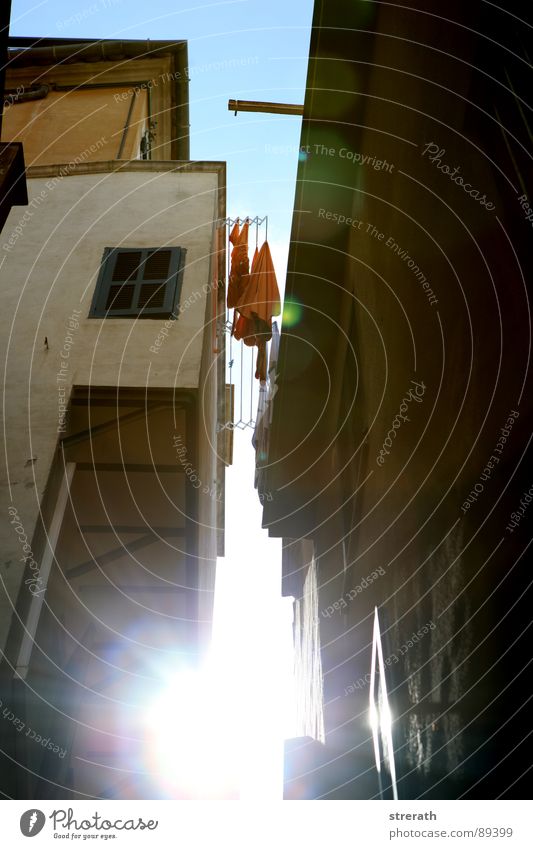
x: 156, y: 269
x: 121, y: 291
x: 138, y: 282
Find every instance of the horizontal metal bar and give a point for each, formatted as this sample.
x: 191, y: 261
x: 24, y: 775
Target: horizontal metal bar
x: 135, y: 588
x: 96, y: 430
x: 129, y: 467
x: 164, y: 531
x: 83, y: 401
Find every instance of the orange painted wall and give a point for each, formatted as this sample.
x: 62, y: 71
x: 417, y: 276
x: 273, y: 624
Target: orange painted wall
x: 87, y: 123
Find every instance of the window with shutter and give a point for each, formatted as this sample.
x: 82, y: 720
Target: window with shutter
x: 144, y: 282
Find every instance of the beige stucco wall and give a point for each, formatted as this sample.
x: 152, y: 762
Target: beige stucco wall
x: 210, y: 486
x: 47, y: 273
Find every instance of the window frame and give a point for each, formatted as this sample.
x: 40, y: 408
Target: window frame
x: 172, y: 283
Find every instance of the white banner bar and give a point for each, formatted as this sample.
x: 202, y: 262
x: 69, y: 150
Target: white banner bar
x: 314, y: 825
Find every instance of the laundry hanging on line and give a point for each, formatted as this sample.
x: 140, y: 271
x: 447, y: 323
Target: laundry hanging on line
x: 240, y: 264
x: 263, y: 420
x: 254, y: 295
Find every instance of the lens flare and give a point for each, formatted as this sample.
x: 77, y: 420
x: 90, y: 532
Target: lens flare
x: 292, y: 313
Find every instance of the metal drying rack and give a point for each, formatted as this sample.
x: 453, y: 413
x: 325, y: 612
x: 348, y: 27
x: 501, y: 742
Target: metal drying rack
x: 242, y: 423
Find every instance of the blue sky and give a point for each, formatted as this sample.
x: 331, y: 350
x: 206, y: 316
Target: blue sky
x: 237, y: 49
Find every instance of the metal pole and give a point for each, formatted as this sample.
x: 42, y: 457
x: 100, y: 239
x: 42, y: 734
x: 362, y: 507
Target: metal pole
x: 265, y: 106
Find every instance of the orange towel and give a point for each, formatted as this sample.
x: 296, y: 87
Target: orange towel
x: 255, y: 297
x: 260, y: 296
x: 240, y: 264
